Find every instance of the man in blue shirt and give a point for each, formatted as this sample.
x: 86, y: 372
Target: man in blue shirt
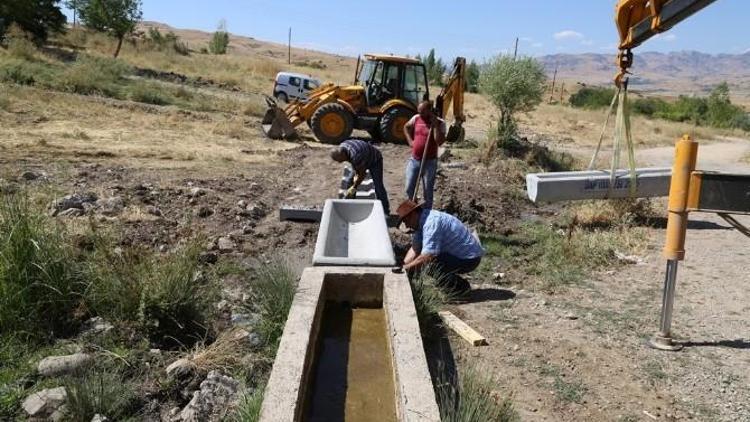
x: 363, y: 156
x: 441, y: 240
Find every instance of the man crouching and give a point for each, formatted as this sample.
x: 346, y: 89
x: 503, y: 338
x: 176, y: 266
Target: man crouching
x: 443, y: 241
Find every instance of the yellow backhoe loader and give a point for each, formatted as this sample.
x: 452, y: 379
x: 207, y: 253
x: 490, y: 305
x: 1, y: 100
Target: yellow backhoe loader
x: 384, y: 96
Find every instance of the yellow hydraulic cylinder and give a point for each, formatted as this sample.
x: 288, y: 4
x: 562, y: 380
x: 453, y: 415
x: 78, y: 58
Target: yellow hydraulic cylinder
x: 686, y: 154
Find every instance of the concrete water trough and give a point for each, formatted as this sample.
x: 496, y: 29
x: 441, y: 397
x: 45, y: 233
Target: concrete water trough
x: 353, y: 232
x: 351, y: 351
x: 577, y: 185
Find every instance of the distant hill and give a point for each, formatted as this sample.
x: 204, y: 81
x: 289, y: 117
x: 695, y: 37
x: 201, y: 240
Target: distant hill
x: 684, y: 72
x: 670, y: 74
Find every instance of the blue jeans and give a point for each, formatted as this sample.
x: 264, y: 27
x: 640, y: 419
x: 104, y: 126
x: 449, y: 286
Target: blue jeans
x: 376, y: 172
x: 428, y: 178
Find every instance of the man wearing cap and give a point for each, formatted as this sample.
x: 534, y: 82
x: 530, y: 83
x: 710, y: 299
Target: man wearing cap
x: 424, y: 133
x: 363, y: 156
x: 442, y: 240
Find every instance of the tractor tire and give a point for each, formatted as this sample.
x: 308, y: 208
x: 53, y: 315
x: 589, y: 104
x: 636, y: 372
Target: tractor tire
x: 332, y: 123
x: 392, y: 124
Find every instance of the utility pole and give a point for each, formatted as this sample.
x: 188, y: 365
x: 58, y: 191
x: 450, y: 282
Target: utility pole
x: 552, y: 90
x: 515, y: 49
x: 75, y: 12
x: 562, y: 91
x: 289, y: 51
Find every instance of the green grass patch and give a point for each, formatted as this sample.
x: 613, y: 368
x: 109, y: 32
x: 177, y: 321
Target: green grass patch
x: 249, y: 407
x: 100, y: 391
x: 167, y: 296
x: 569, y: 391
x: 429, y: 298
x: 471, y: 398
x: 40, y: 285
x: 24, y: 72
x: 557, y: 255
x: 272, y: 294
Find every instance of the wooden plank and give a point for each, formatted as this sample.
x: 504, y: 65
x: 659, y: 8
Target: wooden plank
x: 463, y: 330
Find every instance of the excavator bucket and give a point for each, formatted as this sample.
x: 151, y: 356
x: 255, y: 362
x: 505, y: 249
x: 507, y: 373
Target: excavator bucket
x: 276, y: 124
x: 455, y: 134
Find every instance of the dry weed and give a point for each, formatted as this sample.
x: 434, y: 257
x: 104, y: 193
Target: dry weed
x: 224, y: 354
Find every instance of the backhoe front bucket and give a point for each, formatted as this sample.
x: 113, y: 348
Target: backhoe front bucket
x: 276, y: 124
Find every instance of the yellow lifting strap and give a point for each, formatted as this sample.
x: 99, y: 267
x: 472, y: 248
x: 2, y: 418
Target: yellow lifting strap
x: 622, y: 135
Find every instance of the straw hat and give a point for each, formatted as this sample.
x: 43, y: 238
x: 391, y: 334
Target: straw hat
x: 406, y: 208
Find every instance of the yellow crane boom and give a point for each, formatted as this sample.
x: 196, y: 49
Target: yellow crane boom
x: 639, y: 20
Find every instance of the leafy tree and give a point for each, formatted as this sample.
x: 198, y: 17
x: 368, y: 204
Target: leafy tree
x: 434, y: 67
x: 115, y: 17
x: 472, y: 77
x: 513, y: 85
x: 37, y: 17
x: 220, y: 40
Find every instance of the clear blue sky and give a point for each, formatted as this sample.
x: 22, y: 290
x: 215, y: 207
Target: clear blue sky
x: 476, y: 29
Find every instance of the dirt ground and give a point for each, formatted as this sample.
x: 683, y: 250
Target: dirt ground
x: 581, y: 354
x: 576, y: 355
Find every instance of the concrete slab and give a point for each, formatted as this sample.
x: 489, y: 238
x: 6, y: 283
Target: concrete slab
x: 300, y: 213
x: 353, y: 232
x: 285, y: 395
x: 577, y: 185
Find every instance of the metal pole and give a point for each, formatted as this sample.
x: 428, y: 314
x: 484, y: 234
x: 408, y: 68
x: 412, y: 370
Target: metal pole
x: 552, y: 89
x: 515, y: 49
x: 289, y: 46
x: 686, y: 154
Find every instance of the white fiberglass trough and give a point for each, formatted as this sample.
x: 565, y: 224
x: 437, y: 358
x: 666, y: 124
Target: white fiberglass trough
x: 576, y: 185
x: 353, y: 233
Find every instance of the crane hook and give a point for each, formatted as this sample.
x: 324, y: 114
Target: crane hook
x: 624, y: 61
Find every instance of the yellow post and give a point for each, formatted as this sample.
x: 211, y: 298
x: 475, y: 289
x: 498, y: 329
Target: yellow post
x: 686, y: 154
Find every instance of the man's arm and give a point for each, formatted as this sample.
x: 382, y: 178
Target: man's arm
x: 419, y: 262
x: 440, y: 132
x: 360, y: 173
x: 409, y: 131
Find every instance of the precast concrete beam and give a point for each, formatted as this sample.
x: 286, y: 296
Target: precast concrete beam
x: 578, y: 185
x: 299, y: 213
x: 353, y: 232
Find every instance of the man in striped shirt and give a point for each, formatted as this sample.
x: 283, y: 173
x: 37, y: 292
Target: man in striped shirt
x: 443, y: 241
x: 363, y: 156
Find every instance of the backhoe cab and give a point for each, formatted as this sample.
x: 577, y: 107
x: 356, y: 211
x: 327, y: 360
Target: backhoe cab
x: 385, y: 95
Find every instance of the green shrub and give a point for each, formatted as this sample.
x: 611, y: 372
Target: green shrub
x: 176, y: 301
x: 94, y: 76
x: 168, y: 42
x: 39, y: 283
x: 168, y: 296
x: 24, y: 72
x: 272, y: 296
x: 648, y: 106
x: 22, y: 48
x: 513, y: 85
x: 99, y: 392
x: 592, y: 97
x: 219, y: 42
x: 149, y: 93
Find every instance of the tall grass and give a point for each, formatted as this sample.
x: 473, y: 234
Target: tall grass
x: 429, y: 298
x: 99, y: 392
x: 470, y: 399
x: 272, y: 296
x: 39, y: 282
x: 168, y: 297
x: 249, y: 407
